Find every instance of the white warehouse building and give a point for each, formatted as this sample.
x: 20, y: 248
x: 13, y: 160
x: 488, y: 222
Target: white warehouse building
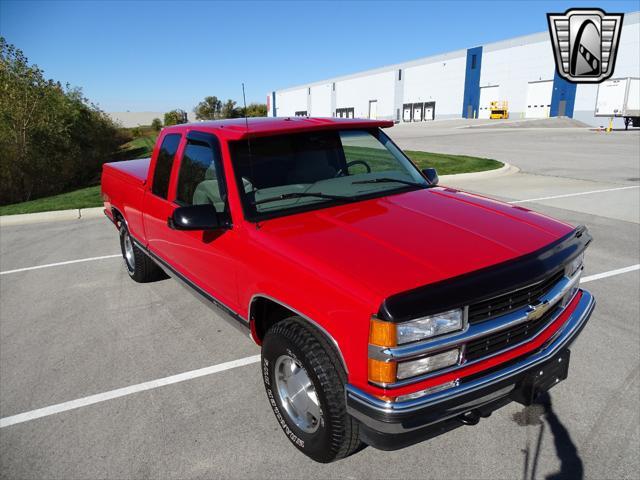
x: 520, y: 71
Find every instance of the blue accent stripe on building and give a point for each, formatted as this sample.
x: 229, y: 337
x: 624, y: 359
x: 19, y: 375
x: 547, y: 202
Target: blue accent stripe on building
x: 471, y: 98
x: 562, y: 91
x: 273, y: 103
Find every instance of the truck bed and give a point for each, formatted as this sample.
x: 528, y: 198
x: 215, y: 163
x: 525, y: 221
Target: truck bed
x: 135, y: 170
x: 123, y: 185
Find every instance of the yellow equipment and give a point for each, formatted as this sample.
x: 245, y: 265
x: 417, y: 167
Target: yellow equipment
x: 499, y: 109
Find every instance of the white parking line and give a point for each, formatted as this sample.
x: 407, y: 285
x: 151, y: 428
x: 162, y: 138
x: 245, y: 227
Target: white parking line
x: 574, y: 194
x: 69, y: 262
x: 182, y: 377
x: 611, y: 273
x: 121, y: 392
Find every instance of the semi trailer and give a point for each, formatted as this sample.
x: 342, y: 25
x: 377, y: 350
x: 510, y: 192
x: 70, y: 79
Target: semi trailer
x: 620, y: 98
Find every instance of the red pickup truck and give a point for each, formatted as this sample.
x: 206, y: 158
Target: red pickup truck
x: 389, y: 309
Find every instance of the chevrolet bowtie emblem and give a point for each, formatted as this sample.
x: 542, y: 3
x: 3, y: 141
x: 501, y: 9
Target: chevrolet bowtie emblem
x: 585, y: 43
x: 537, y: 310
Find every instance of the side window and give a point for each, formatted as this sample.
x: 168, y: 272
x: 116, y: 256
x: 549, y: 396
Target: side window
x: 199, y: 181
x: 162, y: 173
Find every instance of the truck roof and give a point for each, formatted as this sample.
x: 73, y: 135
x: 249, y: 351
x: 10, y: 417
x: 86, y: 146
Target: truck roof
x: 236, y: 128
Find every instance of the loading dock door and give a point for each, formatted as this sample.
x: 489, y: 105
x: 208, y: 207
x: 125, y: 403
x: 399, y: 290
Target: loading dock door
x: 539, y: 99
x: 417, y: 112
x: 429, y: 111
x: 373, y: 109
x: 488, y: 95
x: 406, y: 112
x: 345, y: 112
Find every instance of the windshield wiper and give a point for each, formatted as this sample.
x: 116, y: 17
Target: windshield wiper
x: 395, y: 180
x: 287, y: 196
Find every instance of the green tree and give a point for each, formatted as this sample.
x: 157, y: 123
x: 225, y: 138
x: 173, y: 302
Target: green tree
x: 229, y: 110
x: 51, y: 138
x: 256, y: 110
x: 208, y: 109
x: 156, y: 124
x: 175, y: 117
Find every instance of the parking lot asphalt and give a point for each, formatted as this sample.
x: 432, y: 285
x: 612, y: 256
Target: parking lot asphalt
x: 76, y: 330
x: 572, y: 153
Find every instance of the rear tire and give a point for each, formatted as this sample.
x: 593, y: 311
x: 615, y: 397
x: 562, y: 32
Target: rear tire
x: 304, y: 381
x: 138, y: 264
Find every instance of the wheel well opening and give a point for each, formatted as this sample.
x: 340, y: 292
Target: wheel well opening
x: 118, y: 218
x: 265, y: 313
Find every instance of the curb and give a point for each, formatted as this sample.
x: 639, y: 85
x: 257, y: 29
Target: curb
x: 97, y: 212
x: 54, y: 216
x: 506, y: 169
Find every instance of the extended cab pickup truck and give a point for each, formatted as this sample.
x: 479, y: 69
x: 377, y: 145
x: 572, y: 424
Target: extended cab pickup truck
x: 389, y: 309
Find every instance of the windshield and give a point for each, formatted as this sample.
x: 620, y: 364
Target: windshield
x: 287, y: 173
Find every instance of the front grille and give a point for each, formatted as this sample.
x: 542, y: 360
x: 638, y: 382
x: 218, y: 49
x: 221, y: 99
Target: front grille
x: 481, y: 311
x: 504, y: 339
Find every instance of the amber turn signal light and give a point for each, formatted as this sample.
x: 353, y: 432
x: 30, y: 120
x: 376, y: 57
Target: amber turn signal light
x: 382, y: 372
x: 382, y: 334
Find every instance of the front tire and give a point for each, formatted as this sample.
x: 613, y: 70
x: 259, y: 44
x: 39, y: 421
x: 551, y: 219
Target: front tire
x: 139, y: 266
x: 304, y: 381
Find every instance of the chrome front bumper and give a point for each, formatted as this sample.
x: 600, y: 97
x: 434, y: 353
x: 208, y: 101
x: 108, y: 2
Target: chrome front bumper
x: 388, y: 418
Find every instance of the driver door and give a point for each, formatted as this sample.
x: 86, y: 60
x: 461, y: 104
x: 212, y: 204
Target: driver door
x: 208, y: 256
x: 206, y: 259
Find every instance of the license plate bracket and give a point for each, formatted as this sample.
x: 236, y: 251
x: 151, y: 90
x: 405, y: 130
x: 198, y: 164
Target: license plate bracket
x: 543, y: 378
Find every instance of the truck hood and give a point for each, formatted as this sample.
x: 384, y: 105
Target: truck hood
x: 398, y: 242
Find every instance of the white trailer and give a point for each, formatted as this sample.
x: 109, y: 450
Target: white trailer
x: 619, y: 98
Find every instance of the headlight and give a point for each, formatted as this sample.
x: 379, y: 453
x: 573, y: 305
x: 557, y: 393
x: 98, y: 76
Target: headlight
x: 429, y: 326
x: 428, y: 364
x: 389, y: 334
x: 574, y: 265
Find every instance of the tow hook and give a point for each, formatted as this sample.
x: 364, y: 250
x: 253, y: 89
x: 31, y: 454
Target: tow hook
x: 472, y: 417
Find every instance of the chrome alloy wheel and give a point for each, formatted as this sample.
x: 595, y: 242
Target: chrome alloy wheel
x: 128, y: 253
x: 297, y: 394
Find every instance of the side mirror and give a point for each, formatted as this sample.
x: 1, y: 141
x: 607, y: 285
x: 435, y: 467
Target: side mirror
x: 195, y: 217
x: 432, y: 175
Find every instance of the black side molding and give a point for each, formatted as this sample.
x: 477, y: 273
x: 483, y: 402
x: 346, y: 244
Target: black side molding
x: 209, y: 300
x: 486, y: 283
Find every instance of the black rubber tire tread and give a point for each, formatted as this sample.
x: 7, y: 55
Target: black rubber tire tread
x: 145, y: 269
x: 321, y: 361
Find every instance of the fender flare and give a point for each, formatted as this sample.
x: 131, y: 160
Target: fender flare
x: 312, y: 322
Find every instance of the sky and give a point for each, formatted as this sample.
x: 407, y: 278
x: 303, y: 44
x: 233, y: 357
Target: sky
x: 160, y: 55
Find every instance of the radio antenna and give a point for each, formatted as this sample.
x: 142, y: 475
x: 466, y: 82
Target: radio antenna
x: 246, y: 122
